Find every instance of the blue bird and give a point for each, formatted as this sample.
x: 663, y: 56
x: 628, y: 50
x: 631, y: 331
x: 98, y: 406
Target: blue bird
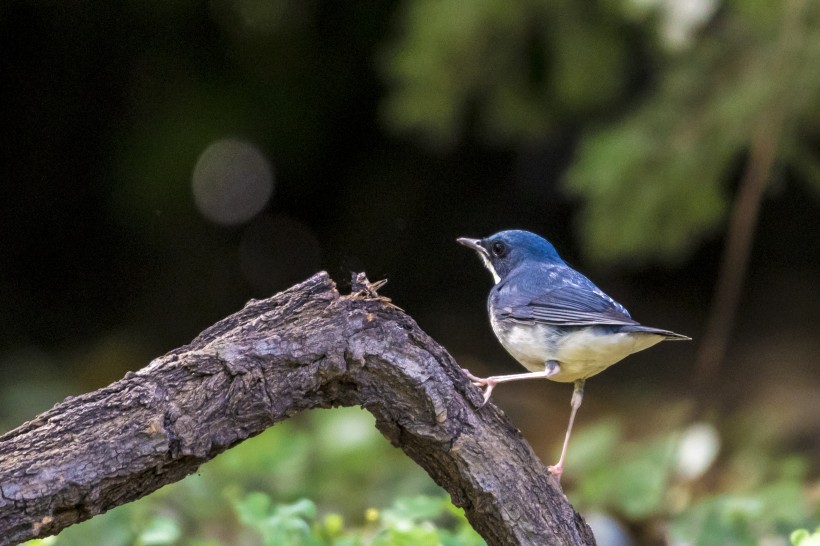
x: 552, y: 319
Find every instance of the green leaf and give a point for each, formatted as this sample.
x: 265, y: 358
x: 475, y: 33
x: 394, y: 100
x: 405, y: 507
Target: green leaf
x: 802, y: 537
x: 253, y: 508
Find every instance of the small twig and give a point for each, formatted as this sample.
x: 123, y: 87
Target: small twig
x: 361, y: 288
x: 746, y: 210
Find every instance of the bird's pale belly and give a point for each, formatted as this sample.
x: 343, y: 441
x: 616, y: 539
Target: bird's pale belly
x: 581, y: 351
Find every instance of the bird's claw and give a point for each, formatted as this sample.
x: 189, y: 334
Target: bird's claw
x: 556, y: 470
x: 487, y: 383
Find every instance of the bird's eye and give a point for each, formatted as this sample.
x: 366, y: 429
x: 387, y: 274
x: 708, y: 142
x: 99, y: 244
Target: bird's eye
x: 499, y: 248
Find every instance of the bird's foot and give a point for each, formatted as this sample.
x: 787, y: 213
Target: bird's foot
x: 556, y: 470
x: 471, y: 377
x: 488, y: 384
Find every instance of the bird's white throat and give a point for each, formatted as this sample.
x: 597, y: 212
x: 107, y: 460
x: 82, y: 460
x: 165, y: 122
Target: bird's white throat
x: 489, y: 266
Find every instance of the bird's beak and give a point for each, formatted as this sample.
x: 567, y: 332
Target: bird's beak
x: 475, y: 244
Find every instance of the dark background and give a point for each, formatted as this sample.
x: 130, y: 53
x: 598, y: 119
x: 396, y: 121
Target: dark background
x: 105, y: 261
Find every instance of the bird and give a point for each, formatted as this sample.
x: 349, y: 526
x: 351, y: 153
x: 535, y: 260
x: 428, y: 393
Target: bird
x: 552, y: 319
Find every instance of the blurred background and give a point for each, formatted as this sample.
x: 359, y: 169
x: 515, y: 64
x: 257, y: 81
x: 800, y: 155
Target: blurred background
x: 165, y: 161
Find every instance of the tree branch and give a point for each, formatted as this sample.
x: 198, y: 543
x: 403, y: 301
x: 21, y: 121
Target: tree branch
x: 759, y: 169
x: 304, y: 348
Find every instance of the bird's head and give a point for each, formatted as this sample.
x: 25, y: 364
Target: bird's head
x: 506, y: 250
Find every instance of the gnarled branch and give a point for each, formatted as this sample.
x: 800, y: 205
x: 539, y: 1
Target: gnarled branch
x: 304, y: 348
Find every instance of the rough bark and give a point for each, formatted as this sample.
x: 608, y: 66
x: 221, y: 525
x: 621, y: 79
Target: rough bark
x: 304, y: 348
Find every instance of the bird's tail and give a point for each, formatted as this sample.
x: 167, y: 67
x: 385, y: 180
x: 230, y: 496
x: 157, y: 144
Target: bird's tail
x: 657, y: 331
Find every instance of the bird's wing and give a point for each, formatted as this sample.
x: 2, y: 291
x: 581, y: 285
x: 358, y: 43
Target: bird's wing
x: 560, y: 296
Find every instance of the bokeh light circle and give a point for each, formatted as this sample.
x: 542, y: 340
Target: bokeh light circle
x: 232, y: 182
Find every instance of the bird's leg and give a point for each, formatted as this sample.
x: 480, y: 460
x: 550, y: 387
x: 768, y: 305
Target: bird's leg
x: 577, y: 398
x: 489, y: 383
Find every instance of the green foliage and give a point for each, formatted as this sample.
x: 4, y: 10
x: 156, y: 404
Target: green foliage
x: 653, y: 175
x: 410, y: 521
x: 323, y: 480
x: 336, y: 458
x: 517, y: 68
x: 660, y: 173
x: 413, y: 521
x: 643, y: 482
x: 742, y: 519
x: 279, y: 524
x: 634, y: 484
